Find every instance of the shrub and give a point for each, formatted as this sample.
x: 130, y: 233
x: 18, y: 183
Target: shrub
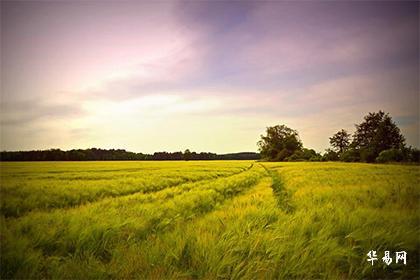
x: 414, y: 155
x: 330, y: 155
x: 282, y: 155
x: 367, y: 155
x: 350, y: 155
x: 295, y: 157
x: 316, y: 158
x: 390, y: 155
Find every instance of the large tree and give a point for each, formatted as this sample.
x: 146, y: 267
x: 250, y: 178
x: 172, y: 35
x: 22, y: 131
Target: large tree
x: 340, y: 141
x: 279, y: 143
x: 375, y: 134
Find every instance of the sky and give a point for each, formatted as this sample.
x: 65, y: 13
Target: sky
x: 207, y: 76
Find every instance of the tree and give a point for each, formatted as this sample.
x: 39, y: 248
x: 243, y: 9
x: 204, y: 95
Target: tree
x: 330, y: 155
x: 340, y: 141
x: 279, y: 143
x: 375, y: 134
x: 304, y: 154
x: 187, y: 154
x: 350, y: 155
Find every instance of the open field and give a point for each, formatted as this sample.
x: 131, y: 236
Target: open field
x: 213, y: 219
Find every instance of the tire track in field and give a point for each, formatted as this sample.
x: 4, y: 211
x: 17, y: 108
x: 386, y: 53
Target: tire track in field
x: 227, y: 202
x: 167, y: 193
x: 227, y: 197
x: 144, y: 191
x: 96, y: 230
x: 280, y: 192
x: 247, y: 209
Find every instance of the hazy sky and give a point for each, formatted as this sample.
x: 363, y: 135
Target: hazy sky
x: 208, y: 76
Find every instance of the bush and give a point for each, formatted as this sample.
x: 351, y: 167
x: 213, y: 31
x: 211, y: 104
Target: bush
x: 282, y: 155
x: 350, y: 155
x: 330, y: 155
x: 414, y: 155
x: 367, y: 155
x: 295, y: 157
x: 316, y: 158
x: 390, y: 155
x: 411, y: 154
x: 304, y: 155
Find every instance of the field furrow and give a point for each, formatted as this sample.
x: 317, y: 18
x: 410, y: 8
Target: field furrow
x: 143, y: 196
x: 40, y: 192
x: 281, y: 193
x: 94, y: 230
x: 223, y: 244
x: 237, y: 221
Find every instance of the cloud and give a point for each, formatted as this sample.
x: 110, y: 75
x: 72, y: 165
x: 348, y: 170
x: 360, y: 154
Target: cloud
x: 20, y: 113
x: 175, y: 74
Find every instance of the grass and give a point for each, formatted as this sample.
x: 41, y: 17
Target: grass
x: 238, y: 219
x: 28, y: 186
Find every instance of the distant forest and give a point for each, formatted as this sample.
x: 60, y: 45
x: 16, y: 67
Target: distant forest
x: 376, y: 139
x: 119, y: 154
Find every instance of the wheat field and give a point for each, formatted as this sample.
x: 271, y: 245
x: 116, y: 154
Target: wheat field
x: 207, y: 220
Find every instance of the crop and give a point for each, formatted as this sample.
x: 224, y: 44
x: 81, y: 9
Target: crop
x: 28, y: 186
x: 215, y: 219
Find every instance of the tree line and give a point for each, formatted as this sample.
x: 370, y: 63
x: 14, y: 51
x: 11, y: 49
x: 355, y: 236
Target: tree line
x: 376, y: 139
x: 117, y: 154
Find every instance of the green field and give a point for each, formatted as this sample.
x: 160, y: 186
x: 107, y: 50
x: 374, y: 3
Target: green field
x: 208, y: 219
